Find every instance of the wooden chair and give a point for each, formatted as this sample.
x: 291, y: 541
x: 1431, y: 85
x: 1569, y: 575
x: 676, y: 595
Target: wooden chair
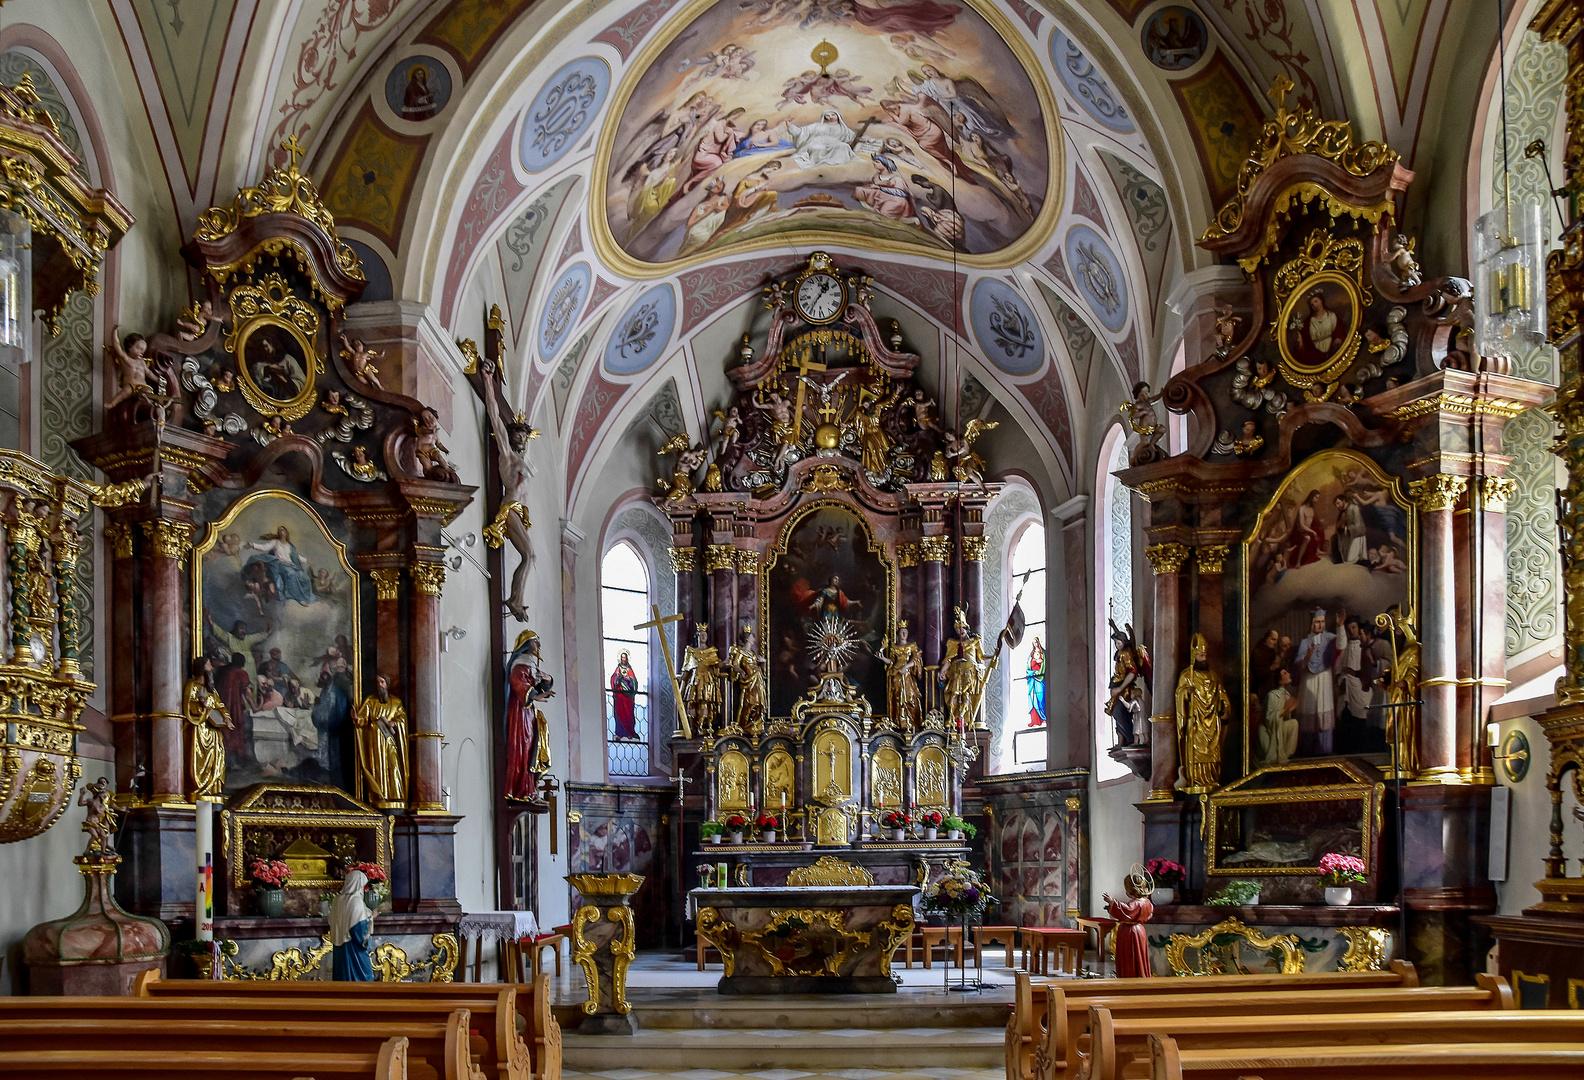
x: 1120, y: 1047
x: 950, y: 940
x: 1005, y: 936
x: 533, y: 948
x: 1439, y: 1061
x: 1028, y: 1028
x: 1039, y: 942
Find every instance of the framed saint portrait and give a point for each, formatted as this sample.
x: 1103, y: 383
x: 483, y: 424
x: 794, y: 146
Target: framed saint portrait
x: 1318, y: 328
x: 275, y: 610
x: 277, y: 361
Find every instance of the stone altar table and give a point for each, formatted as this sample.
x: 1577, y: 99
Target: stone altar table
x: 808, y: 939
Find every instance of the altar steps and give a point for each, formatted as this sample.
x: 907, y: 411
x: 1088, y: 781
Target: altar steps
x: 700, y: 1030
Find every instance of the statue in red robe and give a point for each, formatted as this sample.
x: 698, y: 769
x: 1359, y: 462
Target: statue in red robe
x: 526, y: 683
x: 1132, y: 945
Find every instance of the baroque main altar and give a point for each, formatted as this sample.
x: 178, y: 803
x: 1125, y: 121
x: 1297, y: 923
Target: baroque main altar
x: 828, y: 542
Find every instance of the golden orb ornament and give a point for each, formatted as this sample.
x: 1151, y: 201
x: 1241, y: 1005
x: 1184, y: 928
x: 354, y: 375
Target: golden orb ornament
x: 827, y: 436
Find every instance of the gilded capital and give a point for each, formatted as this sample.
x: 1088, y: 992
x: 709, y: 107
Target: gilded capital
x: 428, y: 578
x: 1497, y: 491
x: 747, y: 562
x: 119, y: 536
x: 1167, y: 558
x: 720, y: 557
x: 1212, y: 558
x: 1438, y: 492
x: 936, y: 549
x: 387, y: 582
x: 169, y: 539
x: 973, y: 548
x: 908, y: 554
x: 684, y: 559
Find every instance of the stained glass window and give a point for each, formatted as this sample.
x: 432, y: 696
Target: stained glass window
x: 1025, y: 709
x: 624, y: 603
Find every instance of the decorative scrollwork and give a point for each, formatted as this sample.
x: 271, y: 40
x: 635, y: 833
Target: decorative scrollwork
x: 1366, y: 948
x: 1217, y: 946
x: 583, y: 951
x: 829, y: 872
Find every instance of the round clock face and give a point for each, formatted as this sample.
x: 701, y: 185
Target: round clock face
x: 819, y: 298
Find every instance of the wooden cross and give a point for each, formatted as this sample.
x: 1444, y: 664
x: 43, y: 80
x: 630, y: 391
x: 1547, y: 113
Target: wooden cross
x: 658, y: 623
x: 804, y: 365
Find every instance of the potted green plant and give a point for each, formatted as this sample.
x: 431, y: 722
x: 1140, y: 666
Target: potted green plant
x: 269, y: 886
x: 735, y: 824
x: 1168, y: 877
x: 957, y: 828
x: 326, y: 899
x: 897, y: 821
x: 767, y: 824
x: 711, y: 831
x: 932, y: 820
x: 1237, y: 893
x: 1339, y: 873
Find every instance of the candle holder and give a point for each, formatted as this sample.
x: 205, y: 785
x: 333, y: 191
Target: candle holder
x: 603, y: 942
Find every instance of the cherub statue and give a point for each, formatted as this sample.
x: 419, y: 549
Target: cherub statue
x: 359, y: 357
x: 924, y: 413
x: 1147, y: 430
x: 102, y: 820
x: 967, y: 466
x: 730, y: 431
x: 1225, y: 327
x: 130, y: 360
x: 430, y: 451
x: 1402, y: 263
x: 193, y: 323
x: 779, y: 410
x: 689, y: 458
x: 511, y: 520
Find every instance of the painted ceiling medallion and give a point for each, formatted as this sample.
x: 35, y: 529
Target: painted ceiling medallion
x: 562, y: 308
x: 1088, y: 86
x: 1005, y: 328
x: 908, y: 127
x: 643, y: 333
x: 1099, y: 276
x: 562, y: 111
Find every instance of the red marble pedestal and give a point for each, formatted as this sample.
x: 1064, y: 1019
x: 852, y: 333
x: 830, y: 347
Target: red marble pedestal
x: 100, y: 949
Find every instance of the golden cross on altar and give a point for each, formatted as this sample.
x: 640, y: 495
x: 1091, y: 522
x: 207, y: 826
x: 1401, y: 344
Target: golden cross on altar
x: 804, y: 365
x: 658, y: 623
x: 828, y: 411
x: 294, y: 148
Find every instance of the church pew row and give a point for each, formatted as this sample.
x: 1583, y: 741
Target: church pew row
x: 1120, y: 1046
x: 389, y: 1062
x: 1066, y: 1031
x: 523, y: 1038
x: 1026, y: 1029
x: 434, y: 1051
x: 1439, y: 1061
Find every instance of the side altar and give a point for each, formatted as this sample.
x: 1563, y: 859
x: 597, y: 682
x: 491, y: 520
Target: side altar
x: 829, y: 567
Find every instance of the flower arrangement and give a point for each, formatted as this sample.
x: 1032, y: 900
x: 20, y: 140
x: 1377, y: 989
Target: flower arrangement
x: 958, y: 892
x: 1237, y: 893
x: 735, y: 823
x: 269, y: 873
x: 1340, y: 871
x: 711, y: 828
x: 371, y: 871
x: 767, y: 821
x: 932, y: 819
x: 896, y: 819
x: 957, y: 824
x: 1167, y: 874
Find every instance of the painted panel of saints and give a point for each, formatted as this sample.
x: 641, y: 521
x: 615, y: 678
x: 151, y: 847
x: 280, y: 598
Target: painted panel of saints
x: 826, y: 570
x: 1332, y: 550
x: 277, y: 615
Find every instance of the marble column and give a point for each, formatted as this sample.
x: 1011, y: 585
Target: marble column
x: 166, y: 547
x: 684, y: 563
x: 936, y: 552
x: 1166, y: 560
x: 748, y: 588
x: 387, y: 623
x: 423, y: 708
x: 1438, y: 721
x: 908, y: 586
x: 720, y: 563
x: 571, y: 538
x: 1485, y: 586
x: 1210, y: 560
x: 122, y: 691
x: 972, y: 549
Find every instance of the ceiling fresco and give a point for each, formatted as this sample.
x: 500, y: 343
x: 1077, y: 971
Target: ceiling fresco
x: 755, y: 124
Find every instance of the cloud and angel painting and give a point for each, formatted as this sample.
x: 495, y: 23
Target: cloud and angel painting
x: 277, y: 618
x: 907, y: 121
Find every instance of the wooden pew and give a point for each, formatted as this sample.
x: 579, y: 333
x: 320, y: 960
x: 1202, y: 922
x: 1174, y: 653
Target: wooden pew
x: 94, y: 1026
x: 1065, y: 1034
x: 1440, y: 1061
x: 388, y: 1062
x: 1120, y: 1046
x: 1027, y: 1028
x: 523, y: 1038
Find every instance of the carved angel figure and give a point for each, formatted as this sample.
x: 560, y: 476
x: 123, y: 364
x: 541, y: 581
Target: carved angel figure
x: 689, y: 458
x: 102, y: 820
x: 1225, y: 327
x: 1147, y: 429
x: 193, y: 323
x: 1402, y: 262
x: 1253, y: 387
x: 778, y: 410
x: 129, y: 358
x: 429, y: 450
x: 359, y: 357
x: 967, y: 466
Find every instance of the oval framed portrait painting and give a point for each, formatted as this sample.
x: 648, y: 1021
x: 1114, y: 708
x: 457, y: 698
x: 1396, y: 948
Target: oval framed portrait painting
x: 277, y: 363
x: 1318, y: 328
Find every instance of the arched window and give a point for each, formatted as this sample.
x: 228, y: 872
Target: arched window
x: 1114, y: 554
x: 1025, y: 711
x: 624, y: 604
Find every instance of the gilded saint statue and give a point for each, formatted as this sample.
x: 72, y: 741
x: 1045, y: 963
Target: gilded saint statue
x: 964, y: 671
x: 1202, y: 711
x: 745, y: 667
x: 701, y: 689
x: 1402, y: 689
x: 872, y: 437
x: 904, y: 663
x: 381, y: 724
x: 206, y: 715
